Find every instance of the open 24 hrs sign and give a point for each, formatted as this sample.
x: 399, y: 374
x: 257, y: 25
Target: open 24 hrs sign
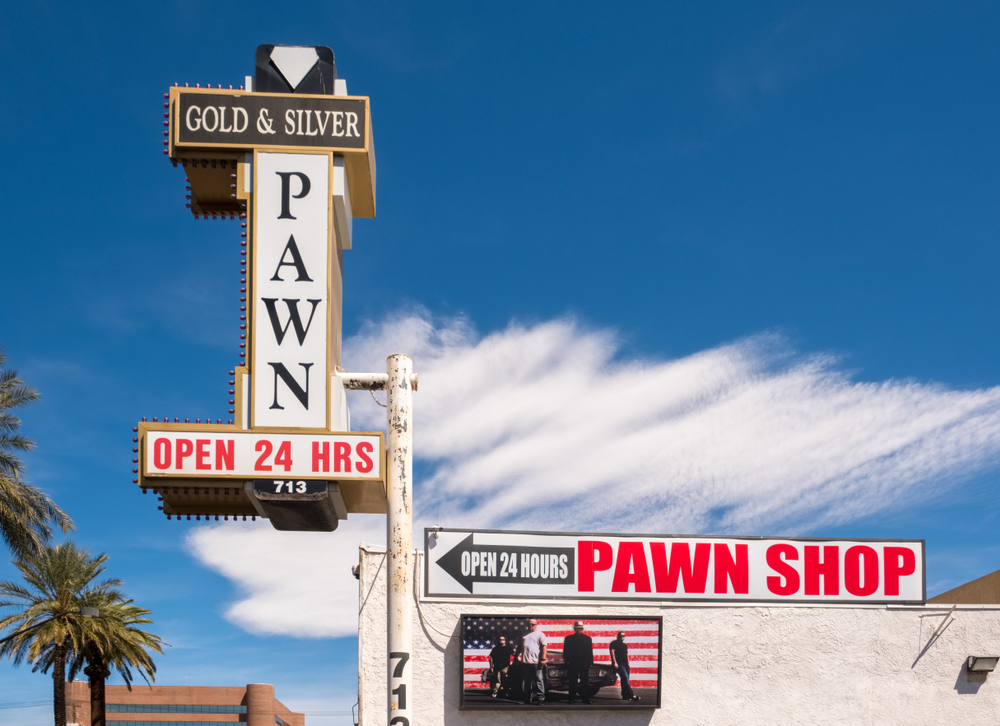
x: 190, y: 452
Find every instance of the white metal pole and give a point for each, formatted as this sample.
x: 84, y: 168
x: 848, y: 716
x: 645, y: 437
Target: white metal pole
x: 399, y: 538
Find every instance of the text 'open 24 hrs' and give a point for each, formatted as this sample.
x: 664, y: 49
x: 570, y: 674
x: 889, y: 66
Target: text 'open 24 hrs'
x: 235, y: 454
x: 469, y: 563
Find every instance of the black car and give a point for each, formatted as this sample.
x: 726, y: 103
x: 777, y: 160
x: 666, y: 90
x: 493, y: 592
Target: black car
x: 557, y: 677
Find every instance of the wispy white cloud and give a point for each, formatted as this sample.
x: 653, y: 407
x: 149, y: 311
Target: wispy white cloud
x: 193, y: 296
x: 546, y: 427
x: 190, y: 296
x: 777, y: 55
x: 290, y: 583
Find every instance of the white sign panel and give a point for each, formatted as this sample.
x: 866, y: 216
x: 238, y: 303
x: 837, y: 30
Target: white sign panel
x: 291, y: 297
x: 477, y: 564
x: 236, y: 454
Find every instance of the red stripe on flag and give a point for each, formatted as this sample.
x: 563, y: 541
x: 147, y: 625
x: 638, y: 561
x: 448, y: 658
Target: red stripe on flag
x: 586, y: 622
x: 605, y: 634
x: 632, y: 659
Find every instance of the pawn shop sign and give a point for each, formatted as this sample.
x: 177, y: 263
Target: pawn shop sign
x: 291, y: 156
x: 481, y: 564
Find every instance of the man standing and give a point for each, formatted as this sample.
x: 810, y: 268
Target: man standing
x: 619, y: 661
x: 578, y: 654
x: 532, y: 654
x: 500, y: 658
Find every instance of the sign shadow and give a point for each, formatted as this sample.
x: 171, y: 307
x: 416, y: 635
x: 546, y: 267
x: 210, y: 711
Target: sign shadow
x: 968, y: 683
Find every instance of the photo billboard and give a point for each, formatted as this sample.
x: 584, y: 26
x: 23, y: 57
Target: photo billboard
x: 587, y: 662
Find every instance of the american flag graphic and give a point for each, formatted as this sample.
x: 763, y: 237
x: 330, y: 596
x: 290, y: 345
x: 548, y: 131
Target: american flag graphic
x: 480, y: 634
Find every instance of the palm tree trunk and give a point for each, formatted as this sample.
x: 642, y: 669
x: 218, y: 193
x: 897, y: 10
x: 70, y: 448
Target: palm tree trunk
x: 97, y: 672
x: 59, y: 685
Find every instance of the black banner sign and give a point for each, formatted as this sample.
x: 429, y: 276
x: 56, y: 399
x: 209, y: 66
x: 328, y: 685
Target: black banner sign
x: 245, y: 120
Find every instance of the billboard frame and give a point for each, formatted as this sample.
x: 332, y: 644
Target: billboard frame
x: 645, y: 706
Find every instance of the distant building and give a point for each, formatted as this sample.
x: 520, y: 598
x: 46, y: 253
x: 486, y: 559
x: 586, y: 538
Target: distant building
x: 250, y: 705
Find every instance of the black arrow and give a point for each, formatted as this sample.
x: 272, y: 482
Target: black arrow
x: 469, y: 563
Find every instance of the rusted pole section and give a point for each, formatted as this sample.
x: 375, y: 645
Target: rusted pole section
x: 369, y: 381
x: 399, y: 537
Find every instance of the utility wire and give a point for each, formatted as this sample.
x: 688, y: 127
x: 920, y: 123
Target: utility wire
x: 25, y: 704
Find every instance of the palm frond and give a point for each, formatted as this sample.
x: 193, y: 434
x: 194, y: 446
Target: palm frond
x: 27, y: 515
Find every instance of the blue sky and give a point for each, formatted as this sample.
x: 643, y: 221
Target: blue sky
x: 755, y: 246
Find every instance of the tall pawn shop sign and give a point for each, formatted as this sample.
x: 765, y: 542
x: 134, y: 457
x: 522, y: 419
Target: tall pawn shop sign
x: 290, y: 155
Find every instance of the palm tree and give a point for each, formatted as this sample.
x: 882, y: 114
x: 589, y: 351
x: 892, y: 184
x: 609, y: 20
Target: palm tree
x: 115, y: 641
x: 26, y: 514
x: 49, y: 626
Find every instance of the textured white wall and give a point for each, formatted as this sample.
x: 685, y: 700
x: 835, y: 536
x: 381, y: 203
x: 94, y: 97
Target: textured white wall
x: 740, y: 665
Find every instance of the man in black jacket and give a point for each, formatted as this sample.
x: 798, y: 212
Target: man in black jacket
x: 578, y: 654
x: 500, y: 658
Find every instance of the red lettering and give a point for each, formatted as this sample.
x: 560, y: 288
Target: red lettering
x: 666, y: 573
x: 284, y: 455
x: 594, y: 556
x: 200, y: 458
x: 341, y: 456
x: 828, y: 569
x: 629, y: 554
x: 363, y: 449
x: 787, y: 582
x: 899, y: 562
x: 184, y: 448
x: 224, y: 455
x: 161, y: 453
x: 264, y: 446
x: 736, y: 571
x: 321, y: 455
x: 853, y: 572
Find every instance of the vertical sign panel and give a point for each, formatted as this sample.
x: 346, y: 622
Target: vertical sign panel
x: 291, y: 270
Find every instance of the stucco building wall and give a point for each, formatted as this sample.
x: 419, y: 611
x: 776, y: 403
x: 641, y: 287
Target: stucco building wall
x: 740, y: 665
